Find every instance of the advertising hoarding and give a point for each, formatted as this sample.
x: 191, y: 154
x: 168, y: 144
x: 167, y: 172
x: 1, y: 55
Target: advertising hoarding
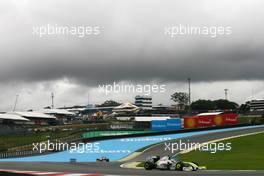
x: 174, y: 124
x: 159, y: 125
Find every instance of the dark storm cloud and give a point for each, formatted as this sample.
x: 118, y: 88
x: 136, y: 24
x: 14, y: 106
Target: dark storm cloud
x: 132, y: 45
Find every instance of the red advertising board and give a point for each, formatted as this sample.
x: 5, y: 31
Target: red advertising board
x: 204, y: 121
x: 198, y: 122
x: 218, y: 120
x: 225, y: 119
x: 210, y: 120
x: 231, y: 119
x: 190, y: 122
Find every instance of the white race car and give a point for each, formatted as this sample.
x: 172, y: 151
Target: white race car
x: 171, y: 163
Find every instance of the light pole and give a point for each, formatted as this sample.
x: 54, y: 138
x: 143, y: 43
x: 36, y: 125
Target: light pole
x: 189, y: 94
x: 52, y: 100
x: 226, y: 92
x: 15, y: 103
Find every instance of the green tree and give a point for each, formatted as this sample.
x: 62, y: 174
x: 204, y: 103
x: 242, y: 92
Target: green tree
x: 214, y: 105
x: 181, y: 98
x: 244, y: 107
x: 225, y: 104
x: 203, y: 105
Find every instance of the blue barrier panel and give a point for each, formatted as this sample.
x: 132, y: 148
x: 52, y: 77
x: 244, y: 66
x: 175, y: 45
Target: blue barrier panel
x: 159, y: 125
x: 174, y: 124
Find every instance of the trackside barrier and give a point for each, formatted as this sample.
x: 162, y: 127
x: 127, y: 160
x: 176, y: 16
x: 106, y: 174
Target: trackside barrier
x: 92, y: 134
x: 18, y: 154
x: 30, y: 152
x: 86, y: 140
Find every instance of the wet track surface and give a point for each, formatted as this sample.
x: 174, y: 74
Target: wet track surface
x: 114, y: 167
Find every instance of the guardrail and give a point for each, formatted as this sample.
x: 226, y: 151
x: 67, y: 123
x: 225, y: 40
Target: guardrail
x: 18, y: 154
x: 92, y: 134
x: 27, y: 150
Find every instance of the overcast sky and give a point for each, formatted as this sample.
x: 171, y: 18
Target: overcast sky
x: 131, y: 47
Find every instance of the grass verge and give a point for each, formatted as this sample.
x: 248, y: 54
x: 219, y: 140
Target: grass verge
x: 247, y: 153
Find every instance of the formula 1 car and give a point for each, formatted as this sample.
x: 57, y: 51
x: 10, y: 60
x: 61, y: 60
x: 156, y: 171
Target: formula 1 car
x: 171, y: 163
x: 103, y: 159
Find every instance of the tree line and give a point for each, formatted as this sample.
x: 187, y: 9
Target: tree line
x: 182, y: 99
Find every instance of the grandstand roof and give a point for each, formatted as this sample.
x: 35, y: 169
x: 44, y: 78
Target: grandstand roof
x: 32, y: 114
x: 57, y: 111
x: 12, y: 117
x: 126, y: 105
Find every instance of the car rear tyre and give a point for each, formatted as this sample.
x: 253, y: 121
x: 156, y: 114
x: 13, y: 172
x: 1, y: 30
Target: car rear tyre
x: 148, y: 166
x: 179, y: 166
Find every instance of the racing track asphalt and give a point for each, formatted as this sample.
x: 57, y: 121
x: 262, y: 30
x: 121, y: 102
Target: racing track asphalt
x: 114, y: 167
